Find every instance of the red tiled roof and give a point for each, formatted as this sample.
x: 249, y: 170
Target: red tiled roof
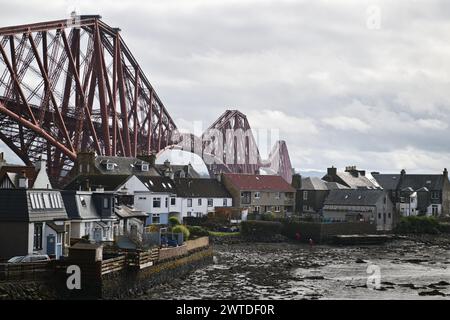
x: 259, y: 182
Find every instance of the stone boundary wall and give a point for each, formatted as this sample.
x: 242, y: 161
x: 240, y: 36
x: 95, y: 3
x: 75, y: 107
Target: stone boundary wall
x: 127, y: 284
x: 173, y: 252
x: 322, y: 232
x: 197, y: 243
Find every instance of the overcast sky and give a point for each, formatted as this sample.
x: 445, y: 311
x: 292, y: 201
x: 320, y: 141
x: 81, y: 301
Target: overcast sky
x: 342, y: 86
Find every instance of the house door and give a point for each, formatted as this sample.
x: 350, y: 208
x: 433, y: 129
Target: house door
x: 51, y: 244
x: 98, y: 234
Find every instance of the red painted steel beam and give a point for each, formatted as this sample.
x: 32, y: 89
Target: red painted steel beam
x: 37, y: 129
x: 123, y: 104
x: 47, y: 83
x: 77, y: 81
x: 101, y: 90
x: 17, y: 84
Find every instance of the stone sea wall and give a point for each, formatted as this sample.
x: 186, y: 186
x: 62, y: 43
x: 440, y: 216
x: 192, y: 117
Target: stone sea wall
x: 127, y: 284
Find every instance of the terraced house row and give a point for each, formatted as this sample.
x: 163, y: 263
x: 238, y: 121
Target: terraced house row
x: 113, y: 197
x: 354, y: 195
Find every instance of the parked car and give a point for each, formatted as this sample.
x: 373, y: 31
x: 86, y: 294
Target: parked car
x: 29, y: 258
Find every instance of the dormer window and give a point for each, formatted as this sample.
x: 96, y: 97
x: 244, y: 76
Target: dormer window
x: 144, y: 167
x: 110, y: 166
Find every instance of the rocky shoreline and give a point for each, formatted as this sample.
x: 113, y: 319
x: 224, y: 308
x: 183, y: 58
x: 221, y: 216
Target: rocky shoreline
x: 411, y: 268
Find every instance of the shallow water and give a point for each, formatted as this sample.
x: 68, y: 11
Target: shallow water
x: 408, y: 270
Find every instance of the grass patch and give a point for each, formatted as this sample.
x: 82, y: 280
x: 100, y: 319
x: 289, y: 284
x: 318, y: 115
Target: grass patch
x: 223, y: 234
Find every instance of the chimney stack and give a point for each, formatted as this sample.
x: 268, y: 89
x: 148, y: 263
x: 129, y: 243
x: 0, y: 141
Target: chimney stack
x: 297, y: 181
x: 23, y: 180
x: 445, y: 173
x: 403, y: 172
x: 150, y: 158
x: 41, y: 165
x: 331, y: 171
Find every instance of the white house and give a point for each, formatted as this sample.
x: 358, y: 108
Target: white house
x: 33, y: 217
x: 156, y: 196
x: 91, y: 214
x: 198, y: 197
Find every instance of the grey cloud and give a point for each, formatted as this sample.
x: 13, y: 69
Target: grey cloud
x: 311, y: 60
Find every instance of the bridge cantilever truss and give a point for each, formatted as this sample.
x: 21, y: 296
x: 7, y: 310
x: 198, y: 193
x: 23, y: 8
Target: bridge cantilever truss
x: 73, y: 85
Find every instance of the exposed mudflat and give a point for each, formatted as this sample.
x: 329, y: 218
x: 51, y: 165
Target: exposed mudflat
x: 409, y: 270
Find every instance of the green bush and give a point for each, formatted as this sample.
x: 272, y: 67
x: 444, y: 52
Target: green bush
x: 197, y: 231
x: 444, y: 227
x: 260, y: 229
x: 268, y: 216
x: 173, y: 221
x: 417, y: 224
x: 181, y: 229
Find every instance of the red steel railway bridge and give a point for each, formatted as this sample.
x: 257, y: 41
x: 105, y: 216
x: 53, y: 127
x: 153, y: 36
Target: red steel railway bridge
x: 73, y: 85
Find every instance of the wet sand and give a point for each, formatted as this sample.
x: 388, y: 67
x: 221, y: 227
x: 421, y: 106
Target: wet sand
x: 408, y: 269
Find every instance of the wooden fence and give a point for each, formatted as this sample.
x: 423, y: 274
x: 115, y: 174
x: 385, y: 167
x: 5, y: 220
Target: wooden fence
x: 140, y: 260
x: 143, y: 259
x: 114, y: 264
x: 19, y: 271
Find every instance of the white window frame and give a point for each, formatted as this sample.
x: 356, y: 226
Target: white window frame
x: 305, y: 195
x: 156, y: 199
x: 257, y: 195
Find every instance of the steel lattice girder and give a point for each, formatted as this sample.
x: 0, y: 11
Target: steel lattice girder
x: 73, y: 85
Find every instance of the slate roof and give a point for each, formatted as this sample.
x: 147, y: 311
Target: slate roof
x: 417, y: 181
x: 57, y: 227
x: 200, y: 188
x: 159, y: 184
x: 354, y: 197
x: 110, y: 182
x: 127, y: 212
x: 335, y: 185
x: 315, y: 183
x: 74, y: 207
x: 352, y: 181
x: 177, y: 169
x: 259, y: 182
x: 124, y: 166
x: 387, y: 181
x: 413, y: 181
x: 16, y: 206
